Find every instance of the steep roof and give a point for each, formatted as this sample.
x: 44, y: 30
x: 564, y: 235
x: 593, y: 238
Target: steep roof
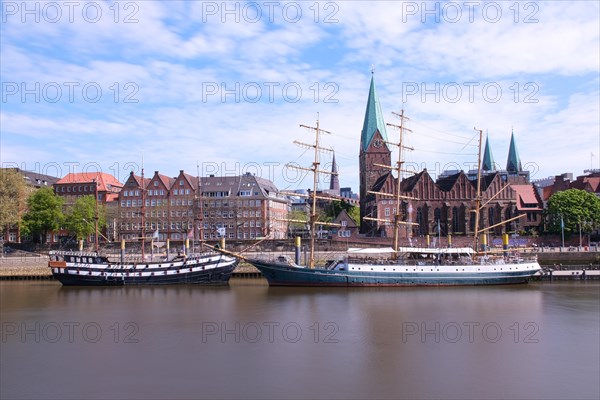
x: 106, y: 182
x: 167, y: 181
x: 344, y: 216
x: 373, y: 119
x: 486, y: 181
x: 334, y: 183
x: 409, y: 183
x: 513, y: 164
x: 528, y: 199
x: 380, y: 182
x: 590, y: 183
x: 488, y: 158
x: 447, y: 182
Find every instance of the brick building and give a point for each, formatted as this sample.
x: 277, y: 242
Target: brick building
x: 446, y: 202
x: 234, y: 207
x: 79, y: 184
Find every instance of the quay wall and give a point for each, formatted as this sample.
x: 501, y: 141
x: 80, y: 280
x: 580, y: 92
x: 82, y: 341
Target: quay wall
x: 564, y: 264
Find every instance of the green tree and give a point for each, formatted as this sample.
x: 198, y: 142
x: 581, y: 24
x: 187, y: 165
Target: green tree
x: 13, y: 198
x: 338, y: 205
x: 576, y: 207
x: 355, y: 214
x: 80, y: 219
x: 295, y: 223
x: 44, y: 213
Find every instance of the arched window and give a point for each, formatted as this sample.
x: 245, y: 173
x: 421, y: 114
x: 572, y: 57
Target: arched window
x: 420, y: 221
x: 455, y: 220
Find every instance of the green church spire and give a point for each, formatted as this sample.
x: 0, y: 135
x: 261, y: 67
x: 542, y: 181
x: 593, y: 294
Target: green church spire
x: 373, y: 119
x: 514, y: 162
x: 488, y: 158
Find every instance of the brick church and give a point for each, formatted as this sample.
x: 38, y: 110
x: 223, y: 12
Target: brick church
x: 445, y: 202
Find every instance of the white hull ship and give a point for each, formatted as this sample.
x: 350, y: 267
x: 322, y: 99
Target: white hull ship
x: 406, y: 266
x: 454, y: 267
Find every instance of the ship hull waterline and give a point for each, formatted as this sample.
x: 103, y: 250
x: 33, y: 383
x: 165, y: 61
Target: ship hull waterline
x: 286, y: 275
x: 206, y: 272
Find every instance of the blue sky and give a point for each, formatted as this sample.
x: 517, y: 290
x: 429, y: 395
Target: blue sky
x: 99, y: 85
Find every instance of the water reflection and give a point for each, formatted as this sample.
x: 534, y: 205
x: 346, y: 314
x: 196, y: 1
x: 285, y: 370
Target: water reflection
x: 249, y: 340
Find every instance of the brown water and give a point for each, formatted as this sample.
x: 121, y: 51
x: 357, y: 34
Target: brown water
x: 250, y: 341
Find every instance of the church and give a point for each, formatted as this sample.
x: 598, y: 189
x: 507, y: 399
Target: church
x: 442, y: 206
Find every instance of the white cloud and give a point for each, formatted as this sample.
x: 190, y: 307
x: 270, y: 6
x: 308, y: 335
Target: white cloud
x: 176, y: 52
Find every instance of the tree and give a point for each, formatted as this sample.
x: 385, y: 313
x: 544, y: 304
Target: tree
x: 338, y: 205
x: 44, y: 213
x: 80, y: 219
x: 13, y: 197
x: 576, y: 207
x: 296, y: 224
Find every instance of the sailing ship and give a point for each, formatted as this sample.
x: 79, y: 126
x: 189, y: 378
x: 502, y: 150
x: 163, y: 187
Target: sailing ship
x: 78, y: 268
x: 402, y: 266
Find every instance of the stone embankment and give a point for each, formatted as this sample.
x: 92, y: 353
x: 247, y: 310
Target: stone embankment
x: 565, y: 263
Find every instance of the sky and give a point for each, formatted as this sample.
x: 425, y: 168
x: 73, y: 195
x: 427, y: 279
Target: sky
x: 222, y: 87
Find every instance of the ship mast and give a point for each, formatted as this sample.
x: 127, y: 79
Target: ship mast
x: 200, y: 209
x: 315, y: 170
x: 143, y: 212
x: 397, y: 215
x: 96, y: 216
x: 478, y: 194
x: 398, y: 195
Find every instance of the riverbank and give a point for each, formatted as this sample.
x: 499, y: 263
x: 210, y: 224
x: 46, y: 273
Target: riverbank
x: 36, y: 268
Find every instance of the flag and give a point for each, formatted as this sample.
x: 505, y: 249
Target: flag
x: 190, y: 234
x: 155, y: 234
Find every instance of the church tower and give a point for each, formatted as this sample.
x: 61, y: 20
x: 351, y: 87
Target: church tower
x: 373, y: 150
x: 334, y: 183
x: 488, y: 164
x: 513, y: 164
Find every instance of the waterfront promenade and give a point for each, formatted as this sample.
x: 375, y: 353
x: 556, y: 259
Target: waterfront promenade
x: 565, y: 263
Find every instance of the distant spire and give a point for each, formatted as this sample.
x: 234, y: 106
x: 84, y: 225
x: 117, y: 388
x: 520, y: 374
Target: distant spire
x: 373, y: 118
x: 514, y: 162
x: 334, y: 183
x: 488, y: 158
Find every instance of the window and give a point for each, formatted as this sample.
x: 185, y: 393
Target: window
x: 344, y: 223
x: 155, y: 183
x: 181, y: 182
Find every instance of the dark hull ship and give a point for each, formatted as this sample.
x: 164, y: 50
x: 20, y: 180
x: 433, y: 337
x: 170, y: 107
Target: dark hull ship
x: 403, y: 266
x: 92, y: 269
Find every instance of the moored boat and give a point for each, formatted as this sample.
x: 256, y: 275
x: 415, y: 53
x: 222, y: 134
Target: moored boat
x: 401, y: 266
x: 414, y: 268
x: 94, y: 269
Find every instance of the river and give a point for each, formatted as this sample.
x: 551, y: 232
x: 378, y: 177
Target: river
x: 247, y: 340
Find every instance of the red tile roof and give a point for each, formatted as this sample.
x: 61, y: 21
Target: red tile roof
x: 106, y: 182
x: 527, y: 196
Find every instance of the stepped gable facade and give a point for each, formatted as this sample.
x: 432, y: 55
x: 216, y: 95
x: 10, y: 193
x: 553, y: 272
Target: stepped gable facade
x: 449, y: 199
x: 185, y: 206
